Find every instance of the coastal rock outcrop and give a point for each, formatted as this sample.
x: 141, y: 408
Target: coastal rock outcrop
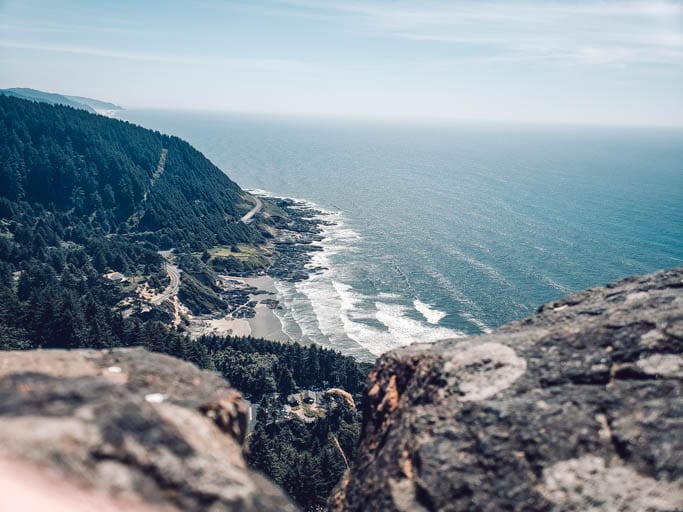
x: 123, y: 429
x: 576, y: 408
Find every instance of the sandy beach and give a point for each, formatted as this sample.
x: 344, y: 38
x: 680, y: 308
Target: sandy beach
x: 265, y: 324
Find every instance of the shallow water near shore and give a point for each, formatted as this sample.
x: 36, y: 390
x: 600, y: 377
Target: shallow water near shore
x: 443, y: 230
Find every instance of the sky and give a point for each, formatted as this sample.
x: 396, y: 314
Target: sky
x: 567, y: 61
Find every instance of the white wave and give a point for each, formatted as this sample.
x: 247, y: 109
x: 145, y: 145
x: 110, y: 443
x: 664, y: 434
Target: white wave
x: 403, y: 330
x: 349, y: 300
x: 341, y: 313
x: 554, y: 284
x: 388, y: 296
x: 433, y: 316
x: 330, y: 300
x: 325, y: 304
x: 458, y: 296
x: 296, y: 317
x: 447, y: 285
x: 473, y: 320
x: 327, y: 310
x: 337, y: 238
x: 488, y: 270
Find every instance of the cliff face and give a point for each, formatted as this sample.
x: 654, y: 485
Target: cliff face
x: 578, y: 407
x: 123, y: 430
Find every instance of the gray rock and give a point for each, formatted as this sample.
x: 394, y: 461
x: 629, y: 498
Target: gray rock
x: 136, y: 426
x: 579, y: 408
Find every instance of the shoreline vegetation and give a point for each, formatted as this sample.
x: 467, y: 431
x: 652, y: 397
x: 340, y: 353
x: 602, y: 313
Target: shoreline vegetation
x: 296, y: 228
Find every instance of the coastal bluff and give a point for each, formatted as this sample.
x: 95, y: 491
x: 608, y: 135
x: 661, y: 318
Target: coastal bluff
x: 123, y: 429
x: 576, y: 408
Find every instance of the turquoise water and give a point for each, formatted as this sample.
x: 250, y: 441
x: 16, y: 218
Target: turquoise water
x: 451, y: 229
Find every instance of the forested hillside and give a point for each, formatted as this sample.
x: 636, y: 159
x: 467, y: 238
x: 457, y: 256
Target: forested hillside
x: 84, y: 197
x: 103, y: 176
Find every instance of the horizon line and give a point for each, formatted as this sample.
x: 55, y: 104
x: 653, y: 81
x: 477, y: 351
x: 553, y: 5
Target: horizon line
x: 395, y: 118
x: 369, y: 117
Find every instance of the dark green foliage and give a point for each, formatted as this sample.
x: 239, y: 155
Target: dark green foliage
x: 80, y: 196
x: 258, y: 366
x: 101, y: 174
x: 198, y: 290
x: 199, y: 298
x: 198, y: 269
x: 304, y: 458
x: 70, y: 182
x: 233, y: 266
x: 194, y: 203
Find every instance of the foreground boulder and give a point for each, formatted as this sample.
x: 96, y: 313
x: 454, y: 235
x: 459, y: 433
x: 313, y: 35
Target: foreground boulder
x: 123, y: 429
x: 577, y: 408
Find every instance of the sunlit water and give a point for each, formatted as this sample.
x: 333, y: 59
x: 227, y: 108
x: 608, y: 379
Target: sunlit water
x: 449, y: 229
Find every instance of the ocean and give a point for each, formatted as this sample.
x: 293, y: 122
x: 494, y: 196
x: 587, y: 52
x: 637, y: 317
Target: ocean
x: 442, y: 229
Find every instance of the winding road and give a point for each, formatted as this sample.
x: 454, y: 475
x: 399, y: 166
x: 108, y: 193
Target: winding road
x: 249, y: 216
x: 173, y: 274
x: 172, y: 270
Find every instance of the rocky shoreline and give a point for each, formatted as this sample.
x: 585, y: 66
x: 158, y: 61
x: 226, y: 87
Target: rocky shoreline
x: 299, y: 241
x: 251, y: 296
x: 253, y: 316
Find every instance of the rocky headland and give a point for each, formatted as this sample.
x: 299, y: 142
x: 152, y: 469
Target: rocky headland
x: 577, y: 408
x: 299, y: 239
x: 250, y: 296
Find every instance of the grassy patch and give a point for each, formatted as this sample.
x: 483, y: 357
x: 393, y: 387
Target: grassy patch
x: 247, y: 258
x: 246, y: 252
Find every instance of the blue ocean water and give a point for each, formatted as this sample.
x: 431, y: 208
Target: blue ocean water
x: 449, y: 229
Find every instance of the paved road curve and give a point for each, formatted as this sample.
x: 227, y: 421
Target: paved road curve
x: 174, y: 275
x: 249, y: 216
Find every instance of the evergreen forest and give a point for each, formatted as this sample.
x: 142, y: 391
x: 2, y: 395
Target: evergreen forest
x: 82, y: 195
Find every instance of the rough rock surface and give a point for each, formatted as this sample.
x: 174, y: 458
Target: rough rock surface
x: 578, y: 408
x: 128, y: 425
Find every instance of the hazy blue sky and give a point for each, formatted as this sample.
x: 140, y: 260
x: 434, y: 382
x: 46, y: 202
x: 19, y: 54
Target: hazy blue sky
x: 572, y: 61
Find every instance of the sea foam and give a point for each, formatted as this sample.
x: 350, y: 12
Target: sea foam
x: 327, y: 310
x: 433, y: 316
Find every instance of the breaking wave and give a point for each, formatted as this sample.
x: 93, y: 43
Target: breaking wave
x: 327, y: 309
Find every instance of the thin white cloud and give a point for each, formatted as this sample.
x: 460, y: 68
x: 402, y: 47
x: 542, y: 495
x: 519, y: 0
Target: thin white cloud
x: 263, y: 65
x: 42, y: 28
x: 591, y: 32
